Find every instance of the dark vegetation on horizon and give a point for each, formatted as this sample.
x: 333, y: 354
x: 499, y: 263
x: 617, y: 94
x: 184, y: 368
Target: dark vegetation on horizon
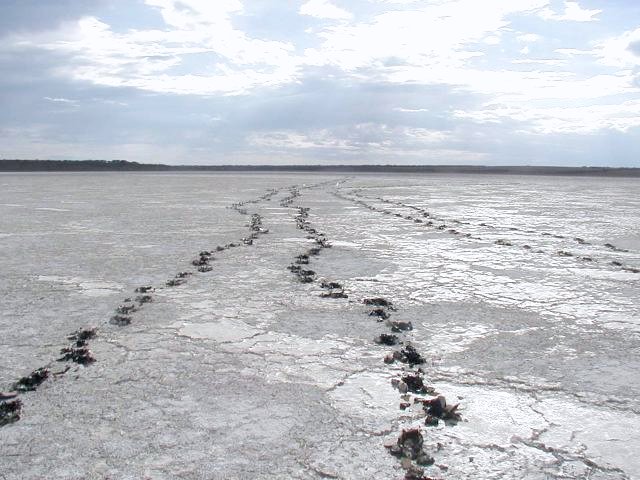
x: 125, y: 166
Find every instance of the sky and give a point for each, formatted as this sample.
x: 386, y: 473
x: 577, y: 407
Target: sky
x: 492, y: 82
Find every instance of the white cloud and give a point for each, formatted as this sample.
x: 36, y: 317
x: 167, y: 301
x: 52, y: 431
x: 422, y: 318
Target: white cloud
x: 436, y: 44
x: 363, y: 137
x: 398, y: 2
x: 430, y: 36
x: 584, y: 119
x: 319, y: 139
x: 540, y: 61
x: 573, y: 51
x: 573, y: 12
x: 148, y: 59
x: 324, y: 9
x: 187, y: 14
x: 202, y: 51
x: 368, y: 143
x: 432, y: 44
x: 411, y: 110
x: 37, y: 141
x: 426, y: 135
x: 60, y: 100
x: 620, y: 51
x: 529, y: 37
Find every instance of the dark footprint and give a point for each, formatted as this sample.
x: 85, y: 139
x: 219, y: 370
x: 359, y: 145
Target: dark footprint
x: 410, y: 445
x: 439, y: 408
x: 399, y: 326
x: 407, y: 355
x: 505, y: 243
x: 306, y: 276
x: 82, y: 356
x: 142, y: 299
x: 378, y: 302
x: 386, y: 339
x: 338, y: 294
x: 381, y: 313
x: 83, y: 335
x: 32, y: 381
x: 126, y: 309
x: 10, y: 412
x: 120, y: 320
x: 200, y: 261
x: 415, y: 383
x: 302, y: 259
x: 144, y: 289
x: 614, y: 248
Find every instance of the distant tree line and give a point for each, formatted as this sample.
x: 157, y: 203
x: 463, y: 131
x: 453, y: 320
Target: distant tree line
x: 125, y: 166
x: 75, y: 166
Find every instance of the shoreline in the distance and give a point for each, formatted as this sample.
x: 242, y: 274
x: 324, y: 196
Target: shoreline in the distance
x: 125, y: 166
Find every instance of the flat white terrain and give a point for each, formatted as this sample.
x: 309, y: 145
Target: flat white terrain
x: 523, y: 294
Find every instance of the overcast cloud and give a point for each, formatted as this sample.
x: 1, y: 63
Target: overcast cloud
x: 322, y: 81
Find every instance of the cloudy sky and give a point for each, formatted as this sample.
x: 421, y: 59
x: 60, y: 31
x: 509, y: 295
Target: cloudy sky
x: 322, y: 81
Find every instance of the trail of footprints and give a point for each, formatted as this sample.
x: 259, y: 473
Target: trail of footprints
x: 299, y: 268
x: 427, y: 219
x: 410, y: 383
x: 408, y: 447
x: 11, y: 407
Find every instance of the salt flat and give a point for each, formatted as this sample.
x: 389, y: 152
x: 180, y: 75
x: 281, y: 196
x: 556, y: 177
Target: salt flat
x: 522, y: 292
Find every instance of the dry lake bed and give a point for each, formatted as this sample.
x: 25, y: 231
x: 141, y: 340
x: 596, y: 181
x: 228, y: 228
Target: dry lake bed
x: 241, y: 326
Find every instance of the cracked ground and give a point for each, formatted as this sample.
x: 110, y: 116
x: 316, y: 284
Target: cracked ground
x: 244, y: 372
